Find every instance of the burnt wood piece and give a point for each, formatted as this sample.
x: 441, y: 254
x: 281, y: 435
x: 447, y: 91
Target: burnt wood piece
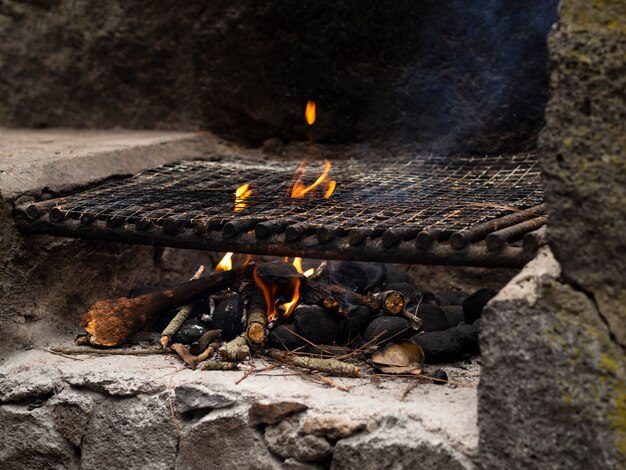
x: 256, y: 323
x: 358, y: 236
x: 295, y: 232
x: 317, y: 291
x: 393, y: 302
x: 393, y: 236
x: 268, y: 228
x: 533, y: 240
x: 459, y: 240
x: 112, y: 322
x: 355, y: 275
x: 173, y: 226
x: 496, y: 241
x: 326, y: 234
x: 427, y: 237
x: 228, y: 315
x: 278, y: 273
x: 409, y: 291
x: 473, y: 306
x: 238, y: 226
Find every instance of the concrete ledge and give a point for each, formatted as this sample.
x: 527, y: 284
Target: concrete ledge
x: 59, y: 160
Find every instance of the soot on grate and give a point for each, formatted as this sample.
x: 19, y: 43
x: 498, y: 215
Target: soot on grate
x: 431, y: 209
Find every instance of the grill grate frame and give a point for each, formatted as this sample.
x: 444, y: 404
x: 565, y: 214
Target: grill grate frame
x: 403, y: 210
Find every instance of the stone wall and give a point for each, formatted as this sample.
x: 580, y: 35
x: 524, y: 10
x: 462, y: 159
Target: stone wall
x: 448, y: 76
x: 553, y: 385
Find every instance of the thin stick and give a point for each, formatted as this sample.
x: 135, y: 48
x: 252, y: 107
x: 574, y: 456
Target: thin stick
x: 178, y: 320
x: 329, y: 366
x: 109, y: 352
x: 235, y: 350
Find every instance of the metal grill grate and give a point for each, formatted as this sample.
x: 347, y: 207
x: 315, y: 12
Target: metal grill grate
x: 402, y: 210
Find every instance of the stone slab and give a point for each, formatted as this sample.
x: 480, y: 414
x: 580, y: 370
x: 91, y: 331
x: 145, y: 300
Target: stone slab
x: 57, y: 160
x: 441, y: 419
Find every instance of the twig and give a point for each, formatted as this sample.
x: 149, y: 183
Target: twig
x: 219, y: 365
x: 329, y: 366
x: 175, y: 324
x: 109, y: 352
x: 332, y: 383
x: 409, y: 389
x: 235, y: 350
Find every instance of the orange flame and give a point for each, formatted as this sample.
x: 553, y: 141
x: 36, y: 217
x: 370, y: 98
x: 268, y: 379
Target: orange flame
x: 297, y: 262
x: 270, y: 292
x: 226, y: 264
x: 309, y: 112
x: 241, y: 194
x: 299, y: 190
x: 291, y: 305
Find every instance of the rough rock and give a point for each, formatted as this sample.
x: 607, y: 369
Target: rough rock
x: 551, y: 368
x: 272, y: 413
x: 129, y: 433
x: 224, y: 440
x: 331, y: 426
x: 71, y: 412
x: 284, y: 440
x: 29, y: 439
x: 392, y: 71
x: 293, y: 464
x: 583, y: 150
x: 193, y: 397
x: 393, y: 446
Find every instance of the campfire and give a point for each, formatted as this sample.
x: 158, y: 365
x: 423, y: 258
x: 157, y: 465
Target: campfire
x: 340, y: 317
x: 335, y: 317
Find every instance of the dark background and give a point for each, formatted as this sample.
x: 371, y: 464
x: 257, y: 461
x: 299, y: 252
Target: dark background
x: 447, y: 76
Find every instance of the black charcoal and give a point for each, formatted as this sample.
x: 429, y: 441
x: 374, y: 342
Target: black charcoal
x: 454, y: 314
x: 467, y: 337
x: 438, y: 346
x: 395, y: 275
x: 452, y: 297
x: 386, y: 327
x: 315, y: 324
x: 190, y: 332
x: 284, y: 337
x: 227, y: 316
x: 433, y: 318
x: 473, y: 306
x: 353, y: 325
x: 278, y: 273
x: 428, y: 298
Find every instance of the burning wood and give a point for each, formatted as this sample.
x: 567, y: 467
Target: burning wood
x: 112, y: 322
x: 340, y: 311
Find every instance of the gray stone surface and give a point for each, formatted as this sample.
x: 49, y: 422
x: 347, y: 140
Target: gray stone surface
x: 47, y: 162
x: 448, y: 75
x: 90, y: 427
x: 283, y: 439
x: 396, y: 445
x: 553, y: 384
x: 583, y: 148
x: 134, y: 432
x: 194, y: 397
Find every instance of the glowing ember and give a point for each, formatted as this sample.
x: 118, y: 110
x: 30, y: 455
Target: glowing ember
x: 226, y: 264
x: 299, y: 190
x: 241, y: 194
x: 309, y: 113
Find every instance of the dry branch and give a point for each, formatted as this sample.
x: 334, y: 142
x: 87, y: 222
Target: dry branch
x: 174, y: 325
x: 109, y: 352
x: 235, y: 350
x: 185, y: 355
x: 393, y: 302
x: 112, y: 322
x: 328, y: 366
x: 218, y: 365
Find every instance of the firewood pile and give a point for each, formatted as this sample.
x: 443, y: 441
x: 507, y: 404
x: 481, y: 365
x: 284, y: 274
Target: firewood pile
x: 343, y: 318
